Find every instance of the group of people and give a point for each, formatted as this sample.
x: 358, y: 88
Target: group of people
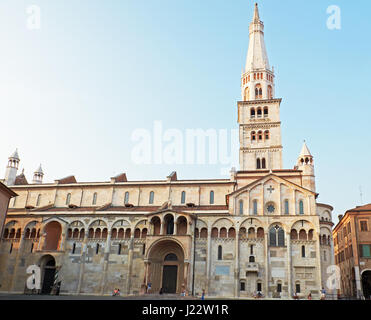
x: 309, y: 297
x: 116, y: 292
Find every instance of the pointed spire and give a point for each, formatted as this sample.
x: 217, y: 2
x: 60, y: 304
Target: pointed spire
x: 305, y: 151
x: 39, y: 170
x: 257, y: 58
x: 15, y: 155
x: 256, y: 14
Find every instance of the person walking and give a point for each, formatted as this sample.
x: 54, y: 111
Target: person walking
x: 203, y: 294
x: 309, y: 296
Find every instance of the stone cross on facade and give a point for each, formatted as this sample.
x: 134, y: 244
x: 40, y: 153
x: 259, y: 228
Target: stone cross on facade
x: 270, y: 189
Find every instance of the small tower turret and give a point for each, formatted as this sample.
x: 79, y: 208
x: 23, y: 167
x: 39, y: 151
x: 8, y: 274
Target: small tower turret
x: 305, y: 164
x: 38, y: 176
x: 11, y: 169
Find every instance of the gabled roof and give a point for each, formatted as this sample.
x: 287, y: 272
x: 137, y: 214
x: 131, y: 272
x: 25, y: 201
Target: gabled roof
x: 20, y: 179
x: 271, y: 175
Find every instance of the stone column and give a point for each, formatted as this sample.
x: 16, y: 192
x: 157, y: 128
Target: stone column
x: 185, y: 276
x: 208, y: 260
x: 237, y: 264
x: 318, y: 262
x: 82, y: 261
x: 289, y: 276
x: 130, y: 264
x: 176, y: 228
x: 162, y: 228
x: 266, y: 293
x: 105, y: 263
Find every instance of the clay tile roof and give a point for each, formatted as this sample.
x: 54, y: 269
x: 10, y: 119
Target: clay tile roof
x: 67, y: 180
x: 366, y: 207
x: 120, y: 178
x: 20, y: 179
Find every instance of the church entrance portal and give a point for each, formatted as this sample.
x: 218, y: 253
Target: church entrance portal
x: 167, y: 269
x: 48, y: 272
x: 169, y: 279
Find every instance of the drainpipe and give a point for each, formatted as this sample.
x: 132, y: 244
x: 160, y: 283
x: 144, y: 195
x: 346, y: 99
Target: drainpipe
x: 194, y: 257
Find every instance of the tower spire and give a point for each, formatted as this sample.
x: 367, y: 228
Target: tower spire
x: 256, y: 13
x: 306, y: 165
x: 257, y: 82
x: 12, y: 168
x: 38, y: 176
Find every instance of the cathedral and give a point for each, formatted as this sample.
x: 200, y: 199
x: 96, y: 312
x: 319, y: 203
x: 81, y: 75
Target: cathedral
x: 260, y: 230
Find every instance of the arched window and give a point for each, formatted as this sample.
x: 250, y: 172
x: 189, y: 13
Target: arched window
x: 303, y: 251
x: 263, y: 163
x: 270, y: 92
x: 171, y: 257
x: 203, y: 233
x: 301, y: 207
x: 265, y: 112
x: 220, y: 253
x: 276, y: 237
x: 272, y: 237
x: 68, y: 199
x: 6, y: 233
x: 211, y: 197
x: 253, y: 136
x: 214, y: 232
x: 286, y: 206
x: 258, y: 164
x: 259, y: 112
x: 260, y: 135
x: 183, y: 199
x: 255, y: 207
x: 266, y: 135
x: 169, y: 220
x: 281, y: 237
x: 223, y: 233
x: 94, y: 198
x: 294, y: 235
x: 302, y: 234
x: 241, y: 207
x: 126, y: 200
x: 38, y: 200
x: 252, y: 112
x: 251, y: 259
x: 151, y: 197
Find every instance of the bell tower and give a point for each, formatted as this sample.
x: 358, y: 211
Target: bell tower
x: 11, y: 169
x: 259, y: 111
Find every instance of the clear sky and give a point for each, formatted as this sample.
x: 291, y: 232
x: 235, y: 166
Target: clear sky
x: 73, y: 92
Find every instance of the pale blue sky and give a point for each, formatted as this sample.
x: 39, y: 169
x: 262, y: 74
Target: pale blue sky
x: 72, y: 92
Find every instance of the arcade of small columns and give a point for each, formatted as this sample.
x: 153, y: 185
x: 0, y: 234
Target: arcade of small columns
x: 52, y: 236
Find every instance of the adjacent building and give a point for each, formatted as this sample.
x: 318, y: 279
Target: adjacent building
x: 5, y: 195
x: 261, y: 229
x: 352, y: 241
